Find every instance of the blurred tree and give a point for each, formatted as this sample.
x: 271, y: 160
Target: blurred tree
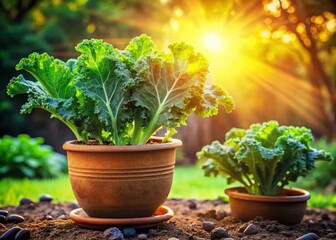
x: 17, y: 39
x: 312, y: 23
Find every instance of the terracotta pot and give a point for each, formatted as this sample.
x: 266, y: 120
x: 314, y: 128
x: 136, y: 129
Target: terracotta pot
x: 121, y: 181
x: 287, y: 208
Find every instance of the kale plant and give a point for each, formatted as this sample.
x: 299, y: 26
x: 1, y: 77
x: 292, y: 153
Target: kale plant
x: 263, y: 158
x: 121, y: 96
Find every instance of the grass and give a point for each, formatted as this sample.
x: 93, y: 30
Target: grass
x: 189, y: 182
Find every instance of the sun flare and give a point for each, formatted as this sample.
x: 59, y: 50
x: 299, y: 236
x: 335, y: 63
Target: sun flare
x: 213, y: 42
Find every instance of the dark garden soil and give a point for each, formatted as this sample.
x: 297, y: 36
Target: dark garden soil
x: 193, y: 220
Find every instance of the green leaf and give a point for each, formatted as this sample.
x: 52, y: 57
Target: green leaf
x: 172, y: 87
x: 52, y: 74
x: 139, y: 47
x: 54, y: 90
x: 105, y: 79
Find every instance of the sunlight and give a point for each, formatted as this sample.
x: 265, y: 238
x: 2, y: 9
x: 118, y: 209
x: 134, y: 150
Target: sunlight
x: 238, y: 64
x: 213, y: 42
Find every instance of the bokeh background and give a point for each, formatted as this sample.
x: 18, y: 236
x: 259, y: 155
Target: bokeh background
x: 277, y: 58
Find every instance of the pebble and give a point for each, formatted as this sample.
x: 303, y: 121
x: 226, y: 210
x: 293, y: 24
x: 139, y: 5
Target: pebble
x: 251, y: 229
x: 325, y: 216
x: 129, y: 232
x: 218, y: 233
x: 220, y: 214
x: 10, y: 234
x: 25, y: 201
x: 152, y: 232
x: 63, y: 217
x: 113, y: 234
x: 309, y: 236
x: 208, y: 226
x: 173, y: 238
x: 45, y: 198
x: 23, y: 234
x: 2, y: 219
x: 192, y: 204
x: 74, y: 206
x: 15, y: 218
x: 212, y: 213
x: 142, y: 236
x: 4, y: 212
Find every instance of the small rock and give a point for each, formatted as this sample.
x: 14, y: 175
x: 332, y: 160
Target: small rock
x: 332, y: 235
x: 113, y: 234
x: 25, y: 201
x: 15, y: 218
x: 309, y: 236
x: 192, y: 204
x: 163, y: 232
x: 152, y: 232
x: 23, y: 234
x: 218, y: 233
x: 45, y: 198
x: 142, y: 236
x: 62, y: 217
x: 2, y: 219
x: 10, y: 234
x: 173, y: 238
x: 325, y: 216
x: 3, y: 213
x: 48, y: 217
x: 208, y: 226
x: 212, y: 213
x: 74, y: 206
x: 286, y: 233
x: 251, y: 229
x: 191, y: 237
x: 220, y: 215
x: 272, y: 228
x: 129, y: 232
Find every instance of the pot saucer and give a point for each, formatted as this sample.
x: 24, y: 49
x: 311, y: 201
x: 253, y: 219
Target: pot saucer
x: 161, y: 215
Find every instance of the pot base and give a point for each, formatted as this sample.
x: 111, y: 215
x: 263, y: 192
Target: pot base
x: 161, y: 215
x: 288, y: 208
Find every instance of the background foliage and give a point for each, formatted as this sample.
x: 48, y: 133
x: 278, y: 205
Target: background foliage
x: 26, y: 157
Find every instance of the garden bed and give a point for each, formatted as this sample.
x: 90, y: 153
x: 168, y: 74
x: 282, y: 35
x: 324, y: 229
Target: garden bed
x: 193, y: 220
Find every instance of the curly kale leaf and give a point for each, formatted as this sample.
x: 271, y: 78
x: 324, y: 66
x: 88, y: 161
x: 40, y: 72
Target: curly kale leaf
x: 53, y: 91
x: 171, y: 87
x: 105, y: 79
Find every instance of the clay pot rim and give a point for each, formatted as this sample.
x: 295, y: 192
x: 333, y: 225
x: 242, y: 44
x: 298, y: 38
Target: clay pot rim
x: 291, y: 195
x: 174, y: 143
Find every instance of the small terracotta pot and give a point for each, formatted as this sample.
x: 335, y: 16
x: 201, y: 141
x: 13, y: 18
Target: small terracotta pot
x: 121, y: 181
x: 287, y: 208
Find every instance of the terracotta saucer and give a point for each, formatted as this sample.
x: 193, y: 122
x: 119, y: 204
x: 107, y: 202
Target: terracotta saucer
x: 161, y: 215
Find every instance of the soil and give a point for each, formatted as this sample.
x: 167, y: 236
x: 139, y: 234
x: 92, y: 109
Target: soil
x: 193, y: 220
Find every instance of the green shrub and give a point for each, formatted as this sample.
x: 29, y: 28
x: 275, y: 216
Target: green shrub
x: 26, y: 157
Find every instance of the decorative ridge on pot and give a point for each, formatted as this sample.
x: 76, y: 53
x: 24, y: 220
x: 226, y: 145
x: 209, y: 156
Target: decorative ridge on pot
x: 156, y: 145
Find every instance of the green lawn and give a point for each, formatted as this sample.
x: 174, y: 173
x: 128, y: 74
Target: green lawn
x: 189, y: 182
